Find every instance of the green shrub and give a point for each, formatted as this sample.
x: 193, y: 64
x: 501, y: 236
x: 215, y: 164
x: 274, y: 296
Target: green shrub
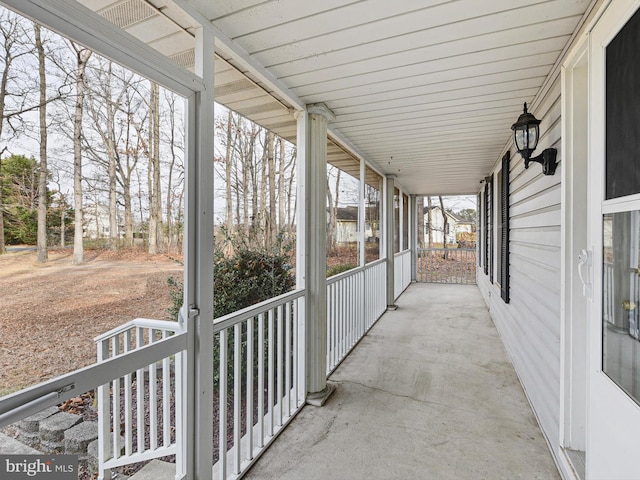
x: 244, y: 279
x: 336, y: 269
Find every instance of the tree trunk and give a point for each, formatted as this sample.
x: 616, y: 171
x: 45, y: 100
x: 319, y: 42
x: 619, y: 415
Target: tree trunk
x: 7, y: 60
x: 291, y: 209
x: 227, y: 174
x: 156, y: 168
x: 271, y: 214
x: 153, y: 179
x: 42, y: 179
x: 170, y: 223
x: 281, y: 195
x: 445, y: 225
x: 63, y: 219
x: 111, y: 155
x: 420, y: 208
x: 430, y: 222
x: 83, y: 56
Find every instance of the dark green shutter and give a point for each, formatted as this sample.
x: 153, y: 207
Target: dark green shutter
x: 485, y: 258
x: 504, y: 230
x: 490, y: 236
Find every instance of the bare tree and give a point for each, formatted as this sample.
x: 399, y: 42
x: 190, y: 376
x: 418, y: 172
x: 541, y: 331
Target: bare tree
x: 445, y: 224
x: 420, y: 207
x: 43, y: 173
x: 429, y: 222
x: 153, y: 179
x: 172, y: 174
x: 14, y: 46
x: 82, y: 57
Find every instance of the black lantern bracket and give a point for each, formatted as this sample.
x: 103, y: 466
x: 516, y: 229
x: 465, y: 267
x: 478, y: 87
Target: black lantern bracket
x: 526, y: 133
x: 547, y: 159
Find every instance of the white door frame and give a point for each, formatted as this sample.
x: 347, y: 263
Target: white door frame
x: 613, y: 417
x: 573, y: 334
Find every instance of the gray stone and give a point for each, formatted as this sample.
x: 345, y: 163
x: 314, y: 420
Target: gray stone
x: 92, y: 456
x: 77, y: 438
x: 52, y: 430
x: 32, y: 424
x: 11, y: 446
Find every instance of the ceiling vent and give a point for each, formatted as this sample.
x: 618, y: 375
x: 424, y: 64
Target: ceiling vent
x: 128, y: 13
x: 186, y: 59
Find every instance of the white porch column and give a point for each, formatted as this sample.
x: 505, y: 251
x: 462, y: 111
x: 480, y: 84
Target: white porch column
x: 195, y: 433
x: 312, y: 153
x: 389, y: 242
x: 413, y: 236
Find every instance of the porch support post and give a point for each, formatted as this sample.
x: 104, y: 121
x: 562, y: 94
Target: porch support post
x: 413, y: 236
x: 196, y: 438
x: 389, y: 242
x: 315, y: 247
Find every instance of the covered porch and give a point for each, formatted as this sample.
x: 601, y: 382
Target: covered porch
x: 410, y: 99
x: 429, y: 392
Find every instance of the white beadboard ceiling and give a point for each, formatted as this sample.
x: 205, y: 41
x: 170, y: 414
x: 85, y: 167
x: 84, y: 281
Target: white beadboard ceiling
x: 424, y: 89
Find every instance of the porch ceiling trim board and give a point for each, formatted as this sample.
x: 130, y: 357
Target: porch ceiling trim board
x: 235, y: 55
x: 100, y: 35
x: 387, y: 85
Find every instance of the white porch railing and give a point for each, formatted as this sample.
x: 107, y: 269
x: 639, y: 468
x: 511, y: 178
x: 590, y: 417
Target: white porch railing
x: 450, y: 265
x: 260, y: 356
x: 355, y: 300
x: 259, y: 375
x: 402, y: 274
x: 137, y: 412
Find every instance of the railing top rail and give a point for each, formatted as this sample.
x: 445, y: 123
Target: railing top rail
x: 442, y: 249
x: 231, y: 319
x: 375, y: 263
x: 340, y: 276
x: 21, y: 404
x: 167, y: 325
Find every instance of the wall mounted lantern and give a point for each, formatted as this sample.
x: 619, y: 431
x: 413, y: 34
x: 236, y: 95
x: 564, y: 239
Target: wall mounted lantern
x: 526, y: 133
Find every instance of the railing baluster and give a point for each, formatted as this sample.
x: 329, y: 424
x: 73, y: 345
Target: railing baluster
x: 270, y: 375
x: 249, y: 399
x: 295, y: 353
x: 104, y: 412
x: 287, y: 356
x: 153, y: 399
x: 166, y: 398
x: 279, y: 372
x: 261, y: 380
x: 237, y: 396
x: 222, y: 404
x: 115, y: 397
x: 140, y: 394
x: 128, y: 430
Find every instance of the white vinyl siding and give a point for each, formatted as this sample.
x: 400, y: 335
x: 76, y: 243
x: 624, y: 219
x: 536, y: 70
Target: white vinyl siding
x: 530, y: 324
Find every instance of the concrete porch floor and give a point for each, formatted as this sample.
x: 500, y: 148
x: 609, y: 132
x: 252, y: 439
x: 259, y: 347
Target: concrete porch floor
x: 429, y: 393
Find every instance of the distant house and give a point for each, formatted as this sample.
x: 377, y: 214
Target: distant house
x: 347, y: 225
x: 438, y: 233
x: 96, y: 222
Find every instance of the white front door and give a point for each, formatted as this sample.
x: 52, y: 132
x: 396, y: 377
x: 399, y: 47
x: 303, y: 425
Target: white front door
x: 613, y: 428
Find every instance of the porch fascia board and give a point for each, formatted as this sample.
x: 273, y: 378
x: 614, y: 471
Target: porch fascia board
x: 77, y: 22
x: 239, y: 56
